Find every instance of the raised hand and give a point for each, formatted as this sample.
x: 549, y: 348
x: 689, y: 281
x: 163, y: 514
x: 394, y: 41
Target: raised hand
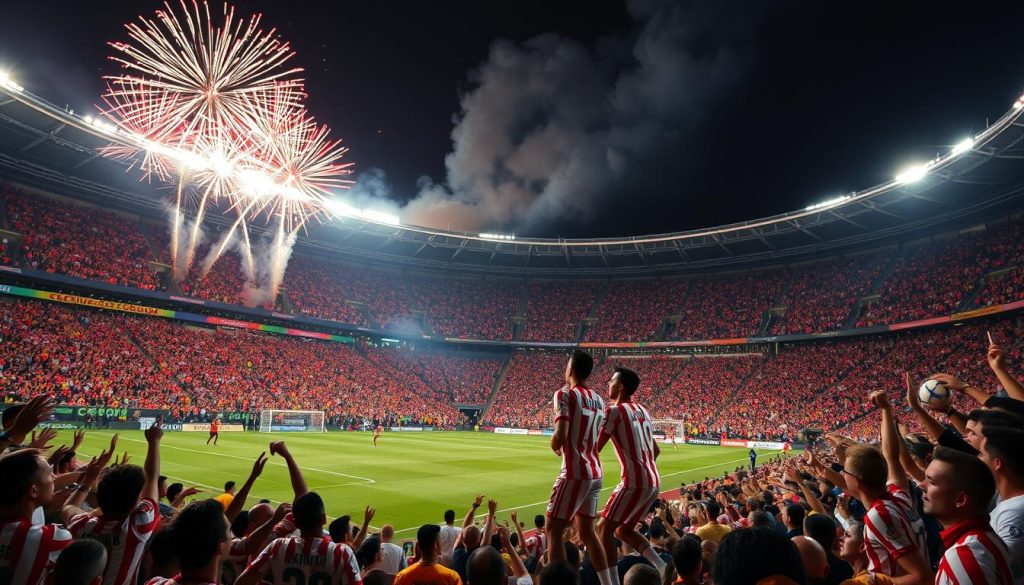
x: 257, y: 467
x: 58, y: 454
x: 79, y: 437
x: 368, y: 514
x: 492, y: 507
x: 953, y: 382
x: 36, y: 411
x: 478, y: 500
x: 42, y: 440
x: 912, y: 398
x: 278, y: 448
x: 190, y: 491
x: 880, y: 398
x: 155, y: 432
x: 996, y: 357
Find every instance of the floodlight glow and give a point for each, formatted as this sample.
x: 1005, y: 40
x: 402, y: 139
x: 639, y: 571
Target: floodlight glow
x: 342, y: 209
x: 502, y: 237
x: 963, y: 146
x: 912, y: 174
x: 8, y: 82
x: 828, y: 203
x: 1019, y: 103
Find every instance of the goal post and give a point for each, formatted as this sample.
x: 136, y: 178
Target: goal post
x: 297, y: 421
x: 665, y: 426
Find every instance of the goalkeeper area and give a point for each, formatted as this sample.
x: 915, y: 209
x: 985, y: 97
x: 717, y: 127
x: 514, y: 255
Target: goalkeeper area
x: 410, y: 478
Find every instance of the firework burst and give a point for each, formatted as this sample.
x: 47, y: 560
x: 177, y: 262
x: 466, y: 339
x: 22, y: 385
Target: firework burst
x: 216, y: 108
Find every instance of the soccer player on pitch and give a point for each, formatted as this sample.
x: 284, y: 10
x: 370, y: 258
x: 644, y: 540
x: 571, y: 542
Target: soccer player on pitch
x: 579, y: 413
x: 671, y: 431
x: 214, y: 431
x: 376, y: 434
x: 628, y: 425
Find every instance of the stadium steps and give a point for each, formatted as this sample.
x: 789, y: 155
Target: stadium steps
x: 874, y: 291
x: 968, y: 302
x: 779, y: 302
x: 591, y: 319
x: 367, y: 314
x: 732, y: 395
x: 520, y: 316
x: 286, y: 301
x: 498, y: 382
x: 672, y: 321
x: 142, y: 349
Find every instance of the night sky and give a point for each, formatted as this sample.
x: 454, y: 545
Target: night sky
x: 733, y: 111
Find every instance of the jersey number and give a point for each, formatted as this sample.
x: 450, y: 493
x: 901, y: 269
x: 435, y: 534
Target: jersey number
x: 294, y: 576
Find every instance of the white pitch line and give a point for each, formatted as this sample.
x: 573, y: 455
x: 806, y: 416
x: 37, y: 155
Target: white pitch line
x: 304, y: 467
x: 604, y: 489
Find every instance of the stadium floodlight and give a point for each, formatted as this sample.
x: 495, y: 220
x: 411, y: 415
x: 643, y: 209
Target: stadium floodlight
x: 828, y: 203
x: 1019, y: 103
x: 963, y: 146
x: 342, y: 209
x: 8, y: 82
x: 912, y: 174
x: 499, y: 237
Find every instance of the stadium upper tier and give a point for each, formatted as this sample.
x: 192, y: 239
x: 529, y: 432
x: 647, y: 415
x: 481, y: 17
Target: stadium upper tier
x: 981, y: 177
x: 903, y: 282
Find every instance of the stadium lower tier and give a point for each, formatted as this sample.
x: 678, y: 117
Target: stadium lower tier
x: 905, y: 282
x: 94, y: 357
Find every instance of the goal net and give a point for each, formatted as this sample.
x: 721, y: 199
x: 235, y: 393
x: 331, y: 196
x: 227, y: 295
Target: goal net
x: 274, y: 421
x: 669, y: 428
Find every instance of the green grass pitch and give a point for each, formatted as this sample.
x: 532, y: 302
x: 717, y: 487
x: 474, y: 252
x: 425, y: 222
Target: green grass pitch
x: 410, y: 478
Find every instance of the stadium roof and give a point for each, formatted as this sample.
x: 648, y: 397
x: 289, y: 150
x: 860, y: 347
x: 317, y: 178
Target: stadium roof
x: 979, y: 179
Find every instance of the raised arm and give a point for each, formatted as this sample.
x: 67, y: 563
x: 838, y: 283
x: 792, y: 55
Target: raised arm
x: 518, y: 568
x: 299, y: 486
x: 492, y: 508
x: 827, y: 472
x: 468, y: 520
x: 365, y: 528
x: 890, y: 440
x: 559, y: 437
x: 239, y: 500
x: 519, y: 531
x: 954, y: 383
x: 997, y: 361
x: 151, y: 491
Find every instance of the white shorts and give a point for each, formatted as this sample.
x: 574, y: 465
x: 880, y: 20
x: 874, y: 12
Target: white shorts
x: 628, y: 505
x: 570, y: 497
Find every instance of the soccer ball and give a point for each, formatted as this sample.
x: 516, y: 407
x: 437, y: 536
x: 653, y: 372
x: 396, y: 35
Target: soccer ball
x: 934, y: 394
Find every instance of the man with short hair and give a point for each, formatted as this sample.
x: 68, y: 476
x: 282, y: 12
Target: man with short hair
x: 200, y: 537
x: 894, y: 533
x: 957, y: 491
x: 127, y: 498
x: 579, y: 414
x: 30, y: 550
x: 814, y: 559
x: 712, y: 530
x: 81, y: 563
x: 1002, y: 453
x: 394, y: 557
x: 628, y: 425
x: 793, y: 518
x: 449, y: 534
x: 427, y: 571
x: 309, y: 555
x: 642, y: 575
x: 226, y: 498
x: 537, y: 544
x: 214, y: 431
x: 687, y: 558
x: 753, y: 459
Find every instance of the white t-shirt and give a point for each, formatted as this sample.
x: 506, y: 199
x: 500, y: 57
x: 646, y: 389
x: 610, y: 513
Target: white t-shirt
x: 447, y: 538
x: 1007, y: 521
x: 394, y: 559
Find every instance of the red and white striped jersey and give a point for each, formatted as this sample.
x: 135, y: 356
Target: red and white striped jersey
x: 629, y: 426
x: 536, y: 545
x: 974, y: 555
x: 318, y: 561
x: 584, y: 412
x: 892, y: 529
x: 124, y: 538
x: 28, y: 551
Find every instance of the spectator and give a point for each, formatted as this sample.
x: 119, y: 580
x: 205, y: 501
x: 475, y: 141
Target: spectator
x: 200, y: 538
x: 793, y: 518
x: 81, y: 563
x: 394, y: 557
x: 427, y: 571
x: 686, y: 556
x: 814, y: 560
x: 127, y: 498
x: 958, y: 490
x: 1001, y: 451
x: 748, y: 556
x: 448, y: 535
x: 823, y: 529
x: 711, y: 531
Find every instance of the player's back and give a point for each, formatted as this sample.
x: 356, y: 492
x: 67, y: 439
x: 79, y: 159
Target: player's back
x: 318, y: 561
x: 632, y: 434
x: 583, y: 411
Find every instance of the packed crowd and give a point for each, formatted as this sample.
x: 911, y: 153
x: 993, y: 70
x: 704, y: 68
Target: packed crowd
x: 85, y: 242
x: 941, y: 505
x: 822, y: 298
x: 922, y: 280
x: 729, y: 305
